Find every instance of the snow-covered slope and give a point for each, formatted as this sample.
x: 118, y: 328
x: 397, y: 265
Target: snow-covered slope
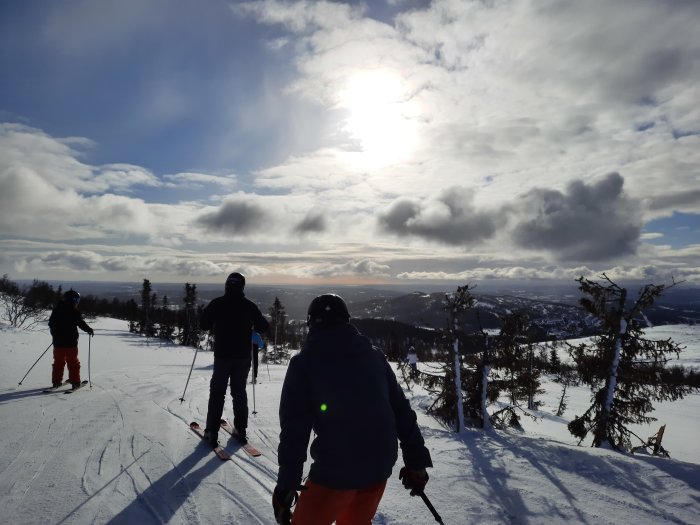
x: 121, y: 452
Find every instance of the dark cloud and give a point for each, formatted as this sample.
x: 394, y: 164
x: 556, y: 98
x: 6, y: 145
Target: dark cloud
x: 234, y: 217
x: 79, y: 260
x: 674, y: 200
x: 313, y: 222
x: 593, y: 222
x: 450, y: 218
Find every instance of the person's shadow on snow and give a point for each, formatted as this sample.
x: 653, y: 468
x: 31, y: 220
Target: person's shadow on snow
x: 14, y: 395
x: 162, y: 499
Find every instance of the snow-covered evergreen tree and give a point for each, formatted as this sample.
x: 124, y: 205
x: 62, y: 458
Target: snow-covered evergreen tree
x: 623, y: 368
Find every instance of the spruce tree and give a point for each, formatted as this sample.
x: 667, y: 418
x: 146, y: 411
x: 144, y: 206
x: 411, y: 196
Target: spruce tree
x: 166, y: 325
x: 190, y: 334
x: 621, y: 365
x: 514, y: 371
x: 277, y: 331
x: 145, y: 313
x: 450, y: 382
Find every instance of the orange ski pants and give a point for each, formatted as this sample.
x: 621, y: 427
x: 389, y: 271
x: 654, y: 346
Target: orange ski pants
x: 319, y: 505
x: 63, y: 356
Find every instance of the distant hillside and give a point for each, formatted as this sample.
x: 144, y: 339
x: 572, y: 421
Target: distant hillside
x: 555, y: 319
x: 553, y: 306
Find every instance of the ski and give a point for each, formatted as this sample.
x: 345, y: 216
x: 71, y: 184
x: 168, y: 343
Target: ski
x: 250, y: 449
x: 81, y: 385
x: 55, y: 388
x: 219, y: 451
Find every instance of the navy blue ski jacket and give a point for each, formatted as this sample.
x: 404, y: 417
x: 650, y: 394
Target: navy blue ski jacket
x: 343, y: 389
x: 233, y: 318
x: 63, y: 325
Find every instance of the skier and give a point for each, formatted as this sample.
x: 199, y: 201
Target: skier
x: 232, y: 317
x: 412, y: 359
x: 344, y: 390
x: 63, y: 324
x: 257, y: 343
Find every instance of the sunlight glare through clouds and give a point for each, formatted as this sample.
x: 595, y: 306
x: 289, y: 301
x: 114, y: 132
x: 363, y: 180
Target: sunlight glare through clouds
x: 379, y: 116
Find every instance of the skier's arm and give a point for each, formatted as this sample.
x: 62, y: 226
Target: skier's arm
x: 296, y: 421
x: 86, y: 328
x: 82, y: 324
x: 205, y: 318
x: 415, y: 454
x: 52, y: 322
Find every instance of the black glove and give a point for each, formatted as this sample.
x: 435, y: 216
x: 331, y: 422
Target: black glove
x: 282, y: 502
x: 91, y: 332
x: 414, y: 480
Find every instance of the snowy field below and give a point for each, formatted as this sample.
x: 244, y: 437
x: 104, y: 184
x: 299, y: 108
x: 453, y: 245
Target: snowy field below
x: 120, y: 451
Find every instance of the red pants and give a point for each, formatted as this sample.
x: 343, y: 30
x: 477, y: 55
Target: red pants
x: 319, y: 505
x: 65, y: 356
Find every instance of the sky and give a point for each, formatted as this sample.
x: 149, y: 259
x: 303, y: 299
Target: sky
x: 396, y: 141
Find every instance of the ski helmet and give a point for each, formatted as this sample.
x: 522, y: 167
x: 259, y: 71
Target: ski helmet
x: 235, y: 282
x: 326, y: 309
x: 71, y: 296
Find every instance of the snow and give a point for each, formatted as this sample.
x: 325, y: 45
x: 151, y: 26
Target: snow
x: 120, y: 451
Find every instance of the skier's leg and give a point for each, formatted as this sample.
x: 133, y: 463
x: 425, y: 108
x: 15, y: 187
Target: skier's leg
x: 59, y: 363
x: 363, y: 506
x: 217, y: 393
x: 239, y: 377
x: 73, y: 365
x: 255, y: 362
x: 319, y: 505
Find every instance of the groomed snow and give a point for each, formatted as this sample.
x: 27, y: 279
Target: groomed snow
x: 121, y: 452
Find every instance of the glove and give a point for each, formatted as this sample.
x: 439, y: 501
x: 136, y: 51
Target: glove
x: 91, y: 332
x: 282, y: 502
x: 414, y: 480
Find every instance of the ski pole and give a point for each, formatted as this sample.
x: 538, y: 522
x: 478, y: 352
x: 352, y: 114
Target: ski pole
x: 89, y: 352
x: 35, y: 362
x: 430, y: 507
x: 188, y: 375
x: 252, y: 350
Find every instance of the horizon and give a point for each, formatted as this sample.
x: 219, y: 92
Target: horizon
x: 504, y: 286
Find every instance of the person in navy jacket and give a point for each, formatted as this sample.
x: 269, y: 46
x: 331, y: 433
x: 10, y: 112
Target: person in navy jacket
x: 344, y: 390
x: 232, y: 317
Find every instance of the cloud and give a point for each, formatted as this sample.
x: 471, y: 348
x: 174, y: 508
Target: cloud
x: 182, y: 265
x: 300, y: 17
x: 360, y: 267
x: 234, y: 217
x: 484, y: 273
x: 313, y: 222
x: 449, y: 218
x: 119, y: 178
x: 589, y: 222
x: 687, y: 199
x: 200, y: 180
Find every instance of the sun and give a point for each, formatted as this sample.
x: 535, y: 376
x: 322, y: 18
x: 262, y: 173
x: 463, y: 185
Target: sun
x: 380, y: 116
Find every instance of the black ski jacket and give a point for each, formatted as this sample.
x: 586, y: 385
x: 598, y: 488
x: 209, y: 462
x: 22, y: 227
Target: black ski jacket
x: 344, y: 389
x: 63, y: 324
x: 233, y: 318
